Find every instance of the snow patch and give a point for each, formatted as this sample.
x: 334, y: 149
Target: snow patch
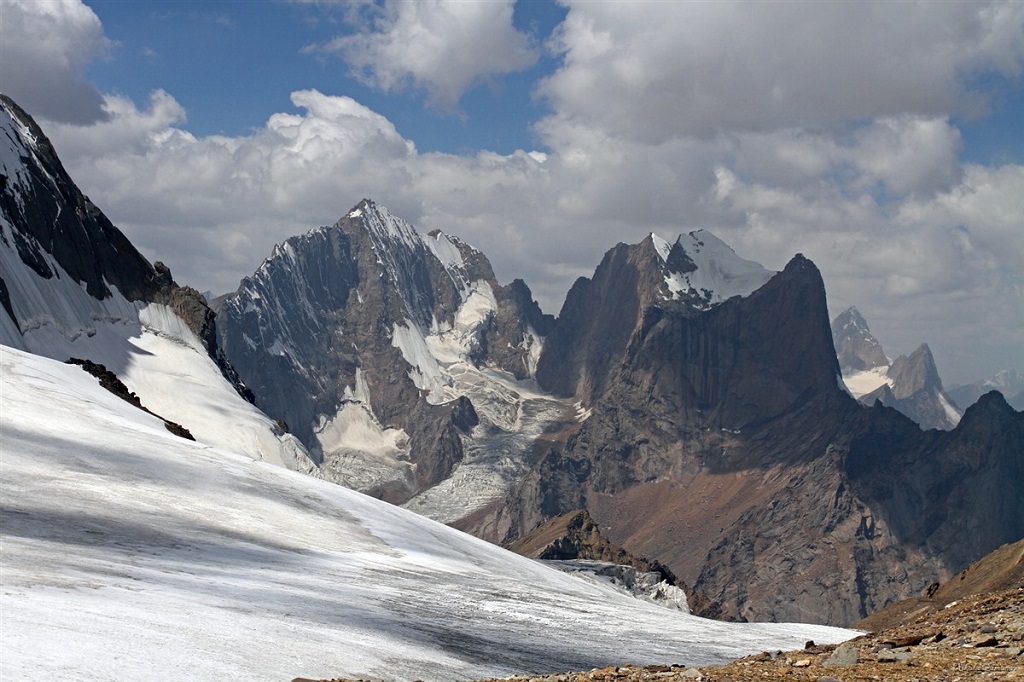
x: 952, y: 414
x: 426, y: 373
x: 862, y: 382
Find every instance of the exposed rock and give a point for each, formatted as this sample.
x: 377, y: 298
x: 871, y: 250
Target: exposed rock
x: 856, y: 348
x: 109, y: 381
x: 330, y: 333
x: 576, y: 536
x: 719, y: 443
x: 916, y: 391
x: 845, y: 654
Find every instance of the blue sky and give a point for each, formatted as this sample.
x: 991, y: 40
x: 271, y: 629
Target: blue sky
x: 883, y: 140
x: 233, y: 64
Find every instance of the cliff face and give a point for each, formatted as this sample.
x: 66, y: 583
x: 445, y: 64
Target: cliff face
x: 718, y: 441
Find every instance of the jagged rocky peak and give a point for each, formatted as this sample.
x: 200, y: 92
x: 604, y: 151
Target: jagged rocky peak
x: 364, y: 337
x: 913, y: 373
x: 856, y: 348
x: 914, y: 388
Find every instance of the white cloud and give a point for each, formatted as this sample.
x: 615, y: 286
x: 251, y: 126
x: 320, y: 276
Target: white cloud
x: 44, y: 45
x: 444, y: 47
x: 684, y: 68
x: 821, y: 128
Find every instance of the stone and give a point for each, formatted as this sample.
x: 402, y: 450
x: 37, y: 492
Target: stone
x: 845, y: 654
x: 895, y: 656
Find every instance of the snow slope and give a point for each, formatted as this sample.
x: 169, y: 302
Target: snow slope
x: 149, y: 348
x: 131, y: 554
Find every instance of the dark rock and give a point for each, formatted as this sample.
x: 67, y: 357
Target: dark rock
x: 112, y: 383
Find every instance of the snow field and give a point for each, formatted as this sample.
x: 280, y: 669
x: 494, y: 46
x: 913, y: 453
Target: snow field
x: 130, y: 553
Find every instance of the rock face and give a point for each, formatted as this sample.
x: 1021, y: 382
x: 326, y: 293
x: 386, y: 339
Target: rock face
x: 348, y: 334
x: 717, y: 440
x: 856, y: 348
x: 997, y: 571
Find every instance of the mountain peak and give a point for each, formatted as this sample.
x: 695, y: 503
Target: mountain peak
x: 915, y: 372
x: 704, y: 270
x: 857, y: 349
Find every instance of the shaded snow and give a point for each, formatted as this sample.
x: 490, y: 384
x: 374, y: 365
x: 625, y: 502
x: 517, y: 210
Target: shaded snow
x: 132, y: 554
x: 862, y: 382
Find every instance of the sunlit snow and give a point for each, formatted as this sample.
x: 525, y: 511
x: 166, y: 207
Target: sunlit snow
x: 719, y: 275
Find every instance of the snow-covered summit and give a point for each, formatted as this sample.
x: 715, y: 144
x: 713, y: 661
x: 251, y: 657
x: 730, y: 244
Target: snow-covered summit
x: 705, y: 270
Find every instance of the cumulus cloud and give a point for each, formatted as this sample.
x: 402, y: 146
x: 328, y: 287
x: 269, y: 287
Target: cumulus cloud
x: 443, y: 47
x: 44, y: 45
x: 699, y: 68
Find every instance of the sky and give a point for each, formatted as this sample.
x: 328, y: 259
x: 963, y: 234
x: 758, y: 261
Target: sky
x: 883, y: 140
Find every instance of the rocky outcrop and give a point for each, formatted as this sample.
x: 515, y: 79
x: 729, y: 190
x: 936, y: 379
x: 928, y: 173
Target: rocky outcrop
x: 109, y: 381
x: 576, y: 536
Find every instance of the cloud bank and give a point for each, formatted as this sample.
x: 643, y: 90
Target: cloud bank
x: 45, y: 45
x: 821, y: 128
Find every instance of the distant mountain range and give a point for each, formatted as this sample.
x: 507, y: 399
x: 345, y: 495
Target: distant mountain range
x: 690, y: 401
x: 910, y: 384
